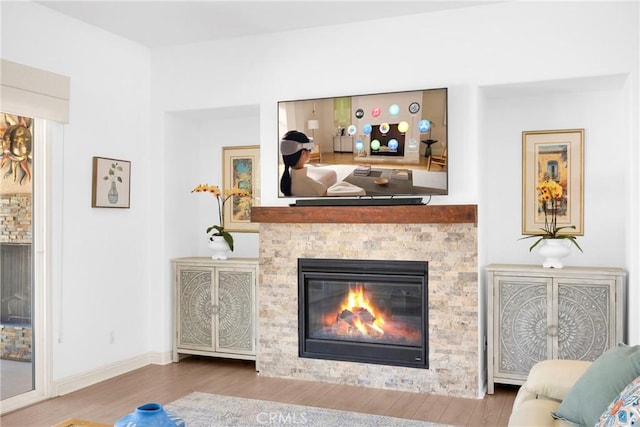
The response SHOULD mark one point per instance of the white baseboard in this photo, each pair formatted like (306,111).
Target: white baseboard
(160,358)
(76,382)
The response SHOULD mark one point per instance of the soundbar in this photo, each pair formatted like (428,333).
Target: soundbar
(395,201)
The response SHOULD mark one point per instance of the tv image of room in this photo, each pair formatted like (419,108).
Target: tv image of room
(383,144)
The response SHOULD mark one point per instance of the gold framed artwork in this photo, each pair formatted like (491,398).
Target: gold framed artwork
(16,159)
(241,169)
(111,183)
(553,155)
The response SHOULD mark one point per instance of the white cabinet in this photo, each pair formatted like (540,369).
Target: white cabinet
(215,307)
(343,144)
(537,313)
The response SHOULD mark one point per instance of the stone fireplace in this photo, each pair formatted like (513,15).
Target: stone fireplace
(443,236)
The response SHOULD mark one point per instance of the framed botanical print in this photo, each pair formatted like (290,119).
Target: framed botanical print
(241,169)
(111,183)
(555,155)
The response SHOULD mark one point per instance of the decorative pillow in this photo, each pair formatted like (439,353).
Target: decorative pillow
(554,378)
(624,410)
(599,385)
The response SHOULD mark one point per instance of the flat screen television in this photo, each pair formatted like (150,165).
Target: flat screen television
(373,145)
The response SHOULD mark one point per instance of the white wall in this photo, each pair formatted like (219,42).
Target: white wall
(166,131)
(101,284)
(196,158)
(509,67)
(598,106)
(504,74)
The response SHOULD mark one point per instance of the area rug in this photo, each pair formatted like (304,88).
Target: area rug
(207,410)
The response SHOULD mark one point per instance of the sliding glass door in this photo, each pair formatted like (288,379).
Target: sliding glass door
(25,258)
(35,105)
(16,255)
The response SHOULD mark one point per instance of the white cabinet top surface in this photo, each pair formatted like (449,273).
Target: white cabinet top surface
(217,262)
(554,272)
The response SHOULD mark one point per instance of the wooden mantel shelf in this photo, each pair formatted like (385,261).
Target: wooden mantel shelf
(412,214)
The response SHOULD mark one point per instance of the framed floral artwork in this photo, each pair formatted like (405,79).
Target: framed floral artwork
(111,183)
(553,155)
(241,169)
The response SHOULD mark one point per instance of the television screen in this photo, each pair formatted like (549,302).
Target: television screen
(378,145)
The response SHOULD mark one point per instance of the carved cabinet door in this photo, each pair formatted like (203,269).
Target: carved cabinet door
(234,310)
(194,308)
(523,316)
(584,313)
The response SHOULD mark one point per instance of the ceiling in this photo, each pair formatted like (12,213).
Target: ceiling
(165,23)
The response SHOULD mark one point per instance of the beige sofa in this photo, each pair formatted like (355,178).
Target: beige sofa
(603,392)
(547,384)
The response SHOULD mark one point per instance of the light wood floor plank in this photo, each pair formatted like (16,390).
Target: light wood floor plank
(307,392)
(109,400)
(459,412)
(432,408)
(407,405)
(351,398)
(491,411)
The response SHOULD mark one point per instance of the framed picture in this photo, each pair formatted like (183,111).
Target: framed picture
(241,169)
(553,155)
(111,183)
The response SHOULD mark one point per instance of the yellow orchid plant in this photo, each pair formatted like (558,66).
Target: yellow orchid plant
(218,230)
(549,197)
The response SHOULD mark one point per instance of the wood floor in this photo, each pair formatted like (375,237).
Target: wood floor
(109,400)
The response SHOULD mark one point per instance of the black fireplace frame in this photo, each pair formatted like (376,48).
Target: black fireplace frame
(362,270)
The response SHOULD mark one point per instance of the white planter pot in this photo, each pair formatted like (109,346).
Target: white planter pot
(553,250)
(219,247)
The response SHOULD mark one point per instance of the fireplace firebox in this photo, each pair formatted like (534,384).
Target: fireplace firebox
(371,311)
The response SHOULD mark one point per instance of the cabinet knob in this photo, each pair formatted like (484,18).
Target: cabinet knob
(215,309)
(552,330)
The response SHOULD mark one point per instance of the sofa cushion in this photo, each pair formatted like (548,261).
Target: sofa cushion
(554,378)
(624,410)
(523,395)
(599,385)
(534,413)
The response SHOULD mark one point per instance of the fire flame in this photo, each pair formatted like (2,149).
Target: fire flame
(357,300)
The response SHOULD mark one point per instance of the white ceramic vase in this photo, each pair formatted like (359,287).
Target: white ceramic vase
(219,247)
(553,250)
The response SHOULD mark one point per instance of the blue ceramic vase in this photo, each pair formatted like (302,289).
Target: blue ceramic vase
(150,415)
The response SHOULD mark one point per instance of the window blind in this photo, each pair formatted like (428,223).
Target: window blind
(32,92)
